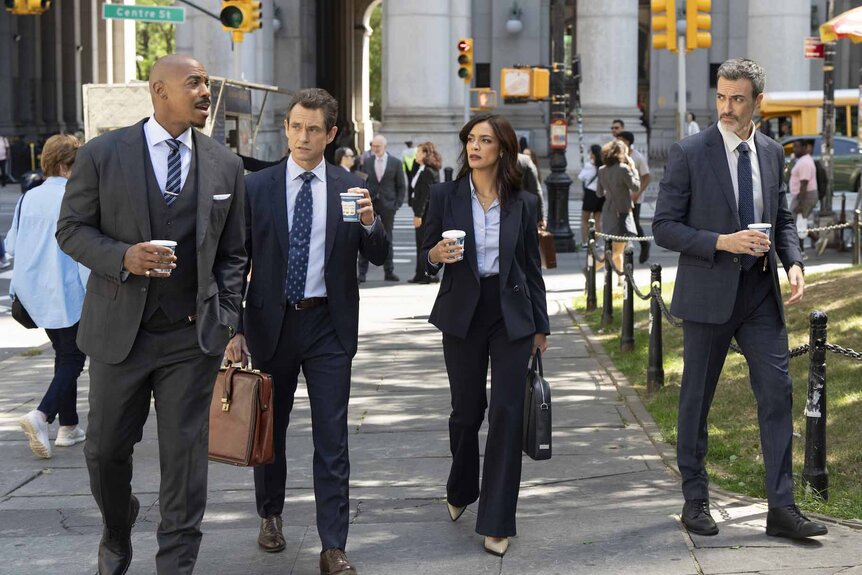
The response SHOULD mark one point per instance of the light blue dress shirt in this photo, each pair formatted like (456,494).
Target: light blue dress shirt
(159,150)
(50,284)
(486,233)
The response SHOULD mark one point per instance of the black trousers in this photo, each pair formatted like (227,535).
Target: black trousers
(308,341)
(420,237)
(637,215)
(757,325)
(62,395)
(387,218)
(467,366)
(169,367)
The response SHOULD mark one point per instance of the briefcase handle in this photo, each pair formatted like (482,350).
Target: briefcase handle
(229,363)
(537,361)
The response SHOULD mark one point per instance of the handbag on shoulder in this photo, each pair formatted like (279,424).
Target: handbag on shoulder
(241,417)
(537,412)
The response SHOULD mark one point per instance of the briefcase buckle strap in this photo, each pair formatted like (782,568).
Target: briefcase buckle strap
(225,403)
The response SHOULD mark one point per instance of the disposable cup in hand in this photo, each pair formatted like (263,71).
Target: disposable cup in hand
(765,228)
(458,236)
(171,245)
(350,207)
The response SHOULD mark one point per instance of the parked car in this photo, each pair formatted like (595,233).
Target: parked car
(847,155)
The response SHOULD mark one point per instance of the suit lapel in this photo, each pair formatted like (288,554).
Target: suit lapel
(462,215)
(132,161)
(767,179)
(718,163)
(334,187)
(206,168)
(277,191)
(510,223)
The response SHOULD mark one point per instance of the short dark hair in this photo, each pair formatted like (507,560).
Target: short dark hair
(618,121)
(341,152)
(317,99)
(743,69)
(628,137)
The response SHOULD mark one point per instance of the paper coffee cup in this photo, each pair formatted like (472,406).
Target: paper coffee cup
(458,236)
(765,228)
(170,244)
(349,206)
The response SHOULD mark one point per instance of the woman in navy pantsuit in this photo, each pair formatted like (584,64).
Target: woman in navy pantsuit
(491,304)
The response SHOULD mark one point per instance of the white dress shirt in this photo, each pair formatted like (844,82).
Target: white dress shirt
(731,141)
(315,286)
(159,150)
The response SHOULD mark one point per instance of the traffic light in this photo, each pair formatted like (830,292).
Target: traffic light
(664,24)
(465,59)
(239,17)
(697,24)
(27,7)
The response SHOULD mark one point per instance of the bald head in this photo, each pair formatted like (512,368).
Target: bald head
(179,88)
(378,145)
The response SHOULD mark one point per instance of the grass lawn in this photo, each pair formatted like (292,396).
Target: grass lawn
(734,461)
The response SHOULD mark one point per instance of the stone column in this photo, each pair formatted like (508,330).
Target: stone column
(776,30)
(423,98)
(607,36)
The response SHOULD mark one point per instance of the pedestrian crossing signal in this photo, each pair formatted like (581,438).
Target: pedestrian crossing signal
(27,7)
(465,59)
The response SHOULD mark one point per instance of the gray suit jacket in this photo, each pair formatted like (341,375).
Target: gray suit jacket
(387,193)
(696,204)
(105,211)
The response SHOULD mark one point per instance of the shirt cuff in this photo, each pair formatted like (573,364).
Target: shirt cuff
(435,266)
(370,229)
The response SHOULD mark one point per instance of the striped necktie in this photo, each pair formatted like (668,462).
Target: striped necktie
(299,240)
(172,184)
(745,182)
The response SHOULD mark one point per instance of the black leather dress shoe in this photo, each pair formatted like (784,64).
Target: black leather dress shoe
(115,549)
(391,277)
(696,517)
(790,522)
(271,538)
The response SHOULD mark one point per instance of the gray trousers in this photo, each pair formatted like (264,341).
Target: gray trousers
(169,367)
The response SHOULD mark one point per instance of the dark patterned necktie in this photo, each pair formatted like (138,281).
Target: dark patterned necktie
(300,238)
(746,196)
(172,184)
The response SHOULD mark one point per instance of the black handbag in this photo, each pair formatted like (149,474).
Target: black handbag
(537,412)
(19,313)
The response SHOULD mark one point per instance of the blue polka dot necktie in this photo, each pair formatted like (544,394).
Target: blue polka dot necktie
(746,196)
(172,185)
(300,238)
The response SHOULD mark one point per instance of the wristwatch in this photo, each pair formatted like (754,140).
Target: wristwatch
(231,331)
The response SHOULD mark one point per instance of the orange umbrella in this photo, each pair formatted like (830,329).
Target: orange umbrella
(846,25)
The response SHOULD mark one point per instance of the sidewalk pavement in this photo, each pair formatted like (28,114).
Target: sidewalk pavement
(606,503)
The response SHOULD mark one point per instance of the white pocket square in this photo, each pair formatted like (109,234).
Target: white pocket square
(220,197)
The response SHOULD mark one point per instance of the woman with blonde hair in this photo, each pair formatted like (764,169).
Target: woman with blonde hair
(618,181)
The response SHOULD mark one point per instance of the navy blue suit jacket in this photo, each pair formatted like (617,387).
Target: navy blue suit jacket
(267,246)
(696,204)
(522,289)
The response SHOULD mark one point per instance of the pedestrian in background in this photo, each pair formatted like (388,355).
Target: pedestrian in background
(618,184)
(803,188)
(4,157)
(51,286)
(591,208)
(642,167)
(691,126)
(491,305)
(427,174)
(530,183)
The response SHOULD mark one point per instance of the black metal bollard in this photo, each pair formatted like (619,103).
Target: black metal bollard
(655,365)
(855,239)
(842,219)
(627,336)
(591,267)
(608,299)
(814,472)
(447,173)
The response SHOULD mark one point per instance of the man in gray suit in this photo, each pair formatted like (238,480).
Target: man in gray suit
(387,188)
(715,184)
(155,323)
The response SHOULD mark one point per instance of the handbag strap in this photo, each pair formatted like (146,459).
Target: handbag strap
(537,363)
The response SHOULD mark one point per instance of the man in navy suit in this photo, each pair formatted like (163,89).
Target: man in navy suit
(302,312)
(715,184)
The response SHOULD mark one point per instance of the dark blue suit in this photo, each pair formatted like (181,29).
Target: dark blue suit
(321,341)
(492,317)
(718,300)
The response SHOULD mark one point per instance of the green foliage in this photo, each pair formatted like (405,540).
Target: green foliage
(375,62)
(152,40)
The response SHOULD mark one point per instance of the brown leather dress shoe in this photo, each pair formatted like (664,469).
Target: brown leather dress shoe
(334,562)
(270,537)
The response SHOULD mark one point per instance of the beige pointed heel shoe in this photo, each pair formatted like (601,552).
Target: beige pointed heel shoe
(455,512)
(497,545)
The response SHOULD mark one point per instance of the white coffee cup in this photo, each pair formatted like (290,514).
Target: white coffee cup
(458,236)
(350,207)
(765,228)
(170,244)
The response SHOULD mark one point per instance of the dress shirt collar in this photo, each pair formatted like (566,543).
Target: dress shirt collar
(294,170)
(382,158)
(476,196)
(731,140)
(156,134)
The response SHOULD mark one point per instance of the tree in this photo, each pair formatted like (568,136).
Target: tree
(375,62)
(152,40)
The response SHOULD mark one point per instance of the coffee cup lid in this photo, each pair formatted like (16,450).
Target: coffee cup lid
(759,226)
(451,234)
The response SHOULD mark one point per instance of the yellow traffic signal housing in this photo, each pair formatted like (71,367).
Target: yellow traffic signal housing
(664,24)
(239,17)
(27,7)
(253,13)
(465,59)
(521,84)
(698,23)
(540,84)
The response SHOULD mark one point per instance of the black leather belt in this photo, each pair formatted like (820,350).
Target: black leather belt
(309,303)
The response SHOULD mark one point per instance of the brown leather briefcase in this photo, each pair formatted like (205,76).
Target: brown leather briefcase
(241,417)
(547,249)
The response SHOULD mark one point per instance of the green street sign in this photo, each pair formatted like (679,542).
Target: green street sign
(168,14)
